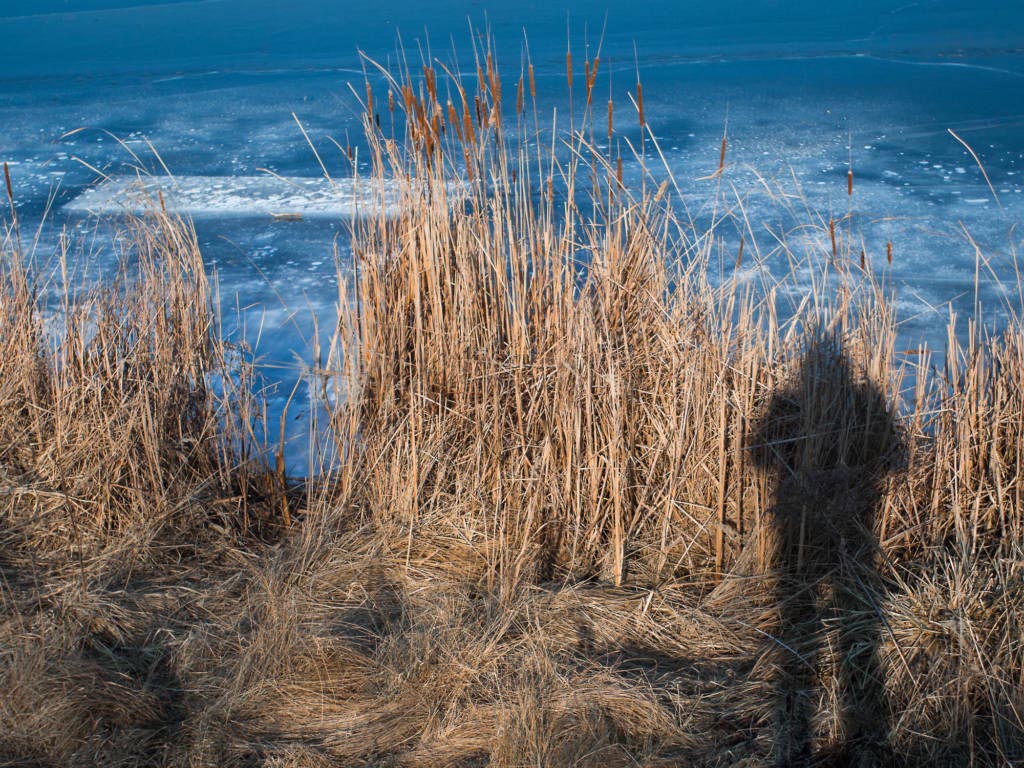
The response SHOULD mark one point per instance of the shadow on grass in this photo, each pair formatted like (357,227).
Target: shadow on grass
(828,439)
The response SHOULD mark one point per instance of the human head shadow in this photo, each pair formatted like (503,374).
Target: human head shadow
(827,439)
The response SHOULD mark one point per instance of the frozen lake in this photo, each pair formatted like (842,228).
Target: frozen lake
(807,91)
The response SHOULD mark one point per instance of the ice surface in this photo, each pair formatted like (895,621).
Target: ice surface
(805,90)
(225,196)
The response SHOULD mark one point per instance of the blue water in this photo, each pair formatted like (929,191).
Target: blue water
(805,88)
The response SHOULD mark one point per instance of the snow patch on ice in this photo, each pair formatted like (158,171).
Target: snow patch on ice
(277,196)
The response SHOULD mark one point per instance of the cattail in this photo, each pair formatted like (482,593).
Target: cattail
(391,101)
(832,234)
(495,81)
(609,119)
(568,67)
(431,78)
(551,188)
(428,145)
(739,257)
(618,170)
(421,115)
(453,118)
(7,180)
(469,165)
(593,72)
(863,261)
(519,97)
(640,103)
(481,84)
(888,251)
(348,151)
(849,182)
(721,155)
(533,85)
(369,101)
(159,196)
(467,123)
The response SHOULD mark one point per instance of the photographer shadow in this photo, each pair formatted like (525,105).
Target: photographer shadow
(827,439)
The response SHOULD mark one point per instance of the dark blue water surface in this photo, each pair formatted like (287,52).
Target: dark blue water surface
(806,88)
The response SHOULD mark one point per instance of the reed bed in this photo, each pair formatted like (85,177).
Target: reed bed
(597,500)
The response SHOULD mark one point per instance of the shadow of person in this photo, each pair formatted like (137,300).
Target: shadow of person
(828,439)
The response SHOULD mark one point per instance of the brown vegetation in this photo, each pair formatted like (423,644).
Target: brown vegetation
(590,506)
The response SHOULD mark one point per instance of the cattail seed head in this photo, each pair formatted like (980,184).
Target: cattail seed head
(453,119)
(7,181)
(467,124)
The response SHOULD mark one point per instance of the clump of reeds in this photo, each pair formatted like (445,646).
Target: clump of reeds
(121,405)
(129,469)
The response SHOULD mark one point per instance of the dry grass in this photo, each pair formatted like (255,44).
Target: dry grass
(592,507)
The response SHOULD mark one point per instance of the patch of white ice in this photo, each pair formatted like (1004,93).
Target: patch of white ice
(267,195)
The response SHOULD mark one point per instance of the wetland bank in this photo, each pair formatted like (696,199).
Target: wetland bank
(606,478)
